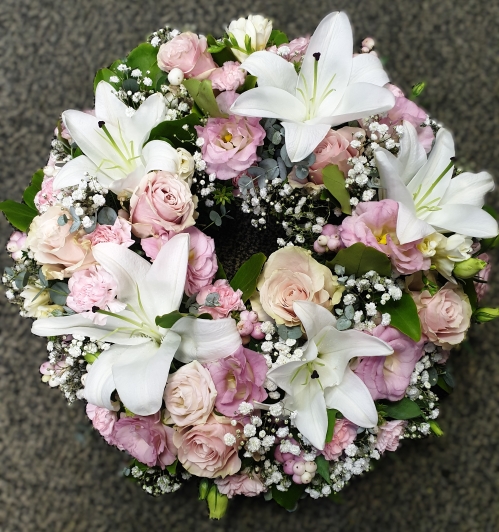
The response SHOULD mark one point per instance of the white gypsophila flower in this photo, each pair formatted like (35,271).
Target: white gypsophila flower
(229,439)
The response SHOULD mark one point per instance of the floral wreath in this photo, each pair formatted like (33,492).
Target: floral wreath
(300,370)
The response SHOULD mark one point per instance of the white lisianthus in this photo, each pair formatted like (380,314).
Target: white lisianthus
(446,252)
(185,166)
(256,28)
(37,303)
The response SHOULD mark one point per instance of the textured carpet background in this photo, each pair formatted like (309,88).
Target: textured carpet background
(56,474)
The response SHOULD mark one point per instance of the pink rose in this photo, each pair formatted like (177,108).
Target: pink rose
(230,144)
(61,252)
(238,377)
(91,288)
(345,433)
(445,316)
(146,439)
(291,274)
(16,245)
(103,420)
(388,377)
(374,224)
(229,77)
(389,435)
(190,395)
(405,109)
(162,202)
(118,233)
(187,51)
(249,486)
(202,265)
(223,298)
(480,288)
(202,449)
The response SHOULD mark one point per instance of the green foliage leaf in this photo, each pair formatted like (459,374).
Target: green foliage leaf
(104,74)
(358,259)
(249,83)
(173,131)
(441,382)
(403,409)
(168,320)
(220,272)
(202,94)
(469,290)
(334,181)
(288,499)
(277,38)
(172,468)
(33,189)
(219,51)
(435,428)
(145,57)
(323,468)
(331,421)
(18,214)
(404,316)
(247,275)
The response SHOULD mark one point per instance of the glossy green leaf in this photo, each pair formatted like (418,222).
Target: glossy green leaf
(323,468)
(249,83)
(441,382)
(104,74)
(247,275)
(403,409)
(358,259)
(202,94)
(222,53)
(277,38)
(334,181)
(144,57)
(33,189)
(172,468)
(404,316)
(173,131)
(168,320)
(288,499)
(331,421)
(18,214)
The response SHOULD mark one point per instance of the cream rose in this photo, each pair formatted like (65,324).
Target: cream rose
(190,395)
(289,275)
(202,449)
(60,252)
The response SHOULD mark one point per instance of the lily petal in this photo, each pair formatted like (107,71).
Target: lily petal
(367,68)
(140,374)
(353,400)
(74,171)
(287,375)
(272,71)
(150,113)
(395,188)
(313,317)
(409,226)
(468,188)
(465,219)
(412,155)
(159,155)
(206,340)
(302,139)
(311,414)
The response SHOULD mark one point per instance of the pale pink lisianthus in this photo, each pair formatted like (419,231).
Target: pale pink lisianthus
(405,109)
(389,435)
(202,449)
(238,377)
(482,288)
(118,233)
(146,438)
(16,245)
(388,377)
(187,52)
(103,420)
(249,486)
(344,434)
(91,288)
(190,395)
(228,299)
(162,202)
(230,144)
(374,224)
(445,316)
(229,77)
(60,252)
(225,100)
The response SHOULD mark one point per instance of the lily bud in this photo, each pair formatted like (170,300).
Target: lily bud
(484,314)
(468,268)
(204,488)
(418,89)
(217,503)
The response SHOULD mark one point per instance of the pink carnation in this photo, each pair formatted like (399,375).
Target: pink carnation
(187,51)
(480,288)
(146,439)
(230,144)
(238,377)
(103,420)
(118,233)
(389,435)
(374,224)
(388,377)
(345,433)
(229,77)
(240,485)
(224,301)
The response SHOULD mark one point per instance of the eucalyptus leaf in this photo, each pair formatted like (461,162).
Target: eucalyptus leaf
(403,409)
(301,172)
(62,220)
(349,312)
(334,181)
(292,333)
(247,275)
(342,324)
(215,218)
(107,216)
(404,316)
(43,279)
(359,259)
(22,279)
(59,293)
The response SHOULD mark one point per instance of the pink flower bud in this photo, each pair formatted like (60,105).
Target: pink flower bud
(257,333)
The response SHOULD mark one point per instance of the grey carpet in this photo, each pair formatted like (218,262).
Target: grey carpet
(56,474)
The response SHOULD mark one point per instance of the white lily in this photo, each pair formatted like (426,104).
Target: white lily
(429,198)
(137,366)
(112,142)
(332,88)
(323,379)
